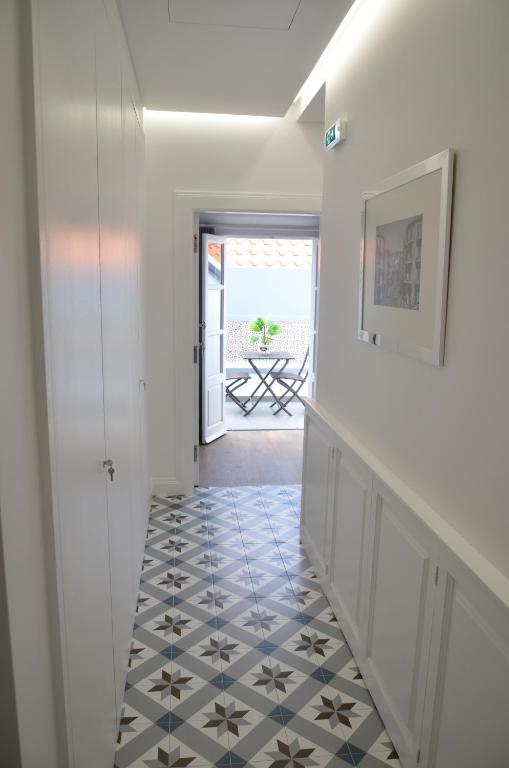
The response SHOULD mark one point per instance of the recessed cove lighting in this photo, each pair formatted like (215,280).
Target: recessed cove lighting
(213,117)
(362,15)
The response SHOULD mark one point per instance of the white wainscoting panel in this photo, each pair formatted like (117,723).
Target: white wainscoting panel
(468,701)
(401,593)
(316,494)
(426,616)
(349,539)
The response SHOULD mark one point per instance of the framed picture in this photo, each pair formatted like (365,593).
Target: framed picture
(404,261)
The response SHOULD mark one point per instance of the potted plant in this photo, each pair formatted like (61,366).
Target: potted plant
(264,331)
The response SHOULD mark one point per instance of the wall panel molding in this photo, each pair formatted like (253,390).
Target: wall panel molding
(426,616)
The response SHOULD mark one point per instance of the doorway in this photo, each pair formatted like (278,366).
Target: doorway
(258,308)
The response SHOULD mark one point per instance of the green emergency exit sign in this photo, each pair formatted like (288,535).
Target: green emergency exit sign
(335,134)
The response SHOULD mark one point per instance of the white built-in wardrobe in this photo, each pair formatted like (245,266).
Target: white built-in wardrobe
(89,146)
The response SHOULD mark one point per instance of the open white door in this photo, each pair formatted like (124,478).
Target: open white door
(313,327)
(212,338)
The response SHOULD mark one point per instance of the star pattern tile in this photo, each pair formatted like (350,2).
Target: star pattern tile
(237,659)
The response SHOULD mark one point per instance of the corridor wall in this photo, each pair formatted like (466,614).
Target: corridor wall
(405,494)
(418,78)
(27,725)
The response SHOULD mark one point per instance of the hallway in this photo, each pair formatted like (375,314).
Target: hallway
(194,194)
(237,658)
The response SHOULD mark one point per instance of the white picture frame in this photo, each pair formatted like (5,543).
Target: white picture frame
(404,260)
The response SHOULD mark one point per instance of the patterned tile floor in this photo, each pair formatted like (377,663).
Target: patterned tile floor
(237,659)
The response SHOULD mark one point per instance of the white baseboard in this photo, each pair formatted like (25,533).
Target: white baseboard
(166,486)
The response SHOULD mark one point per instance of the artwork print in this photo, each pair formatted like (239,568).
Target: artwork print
(397,276)
(404,260)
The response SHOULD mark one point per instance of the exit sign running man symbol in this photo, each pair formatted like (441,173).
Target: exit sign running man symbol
(335,134)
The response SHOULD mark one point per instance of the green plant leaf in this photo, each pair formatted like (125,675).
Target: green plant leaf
(265,330)
(258,324)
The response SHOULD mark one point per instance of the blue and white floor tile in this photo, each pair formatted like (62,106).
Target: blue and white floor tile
(237,659)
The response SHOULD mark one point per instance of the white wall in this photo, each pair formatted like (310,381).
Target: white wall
(206,154)
(23,607)
(423,77)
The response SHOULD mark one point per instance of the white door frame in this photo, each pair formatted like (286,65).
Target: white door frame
(188,205)
(315,307)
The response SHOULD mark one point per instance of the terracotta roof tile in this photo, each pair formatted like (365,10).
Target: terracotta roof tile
(260,252)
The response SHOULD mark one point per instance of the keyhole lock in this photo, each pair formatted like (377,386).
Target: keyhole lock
(108,464)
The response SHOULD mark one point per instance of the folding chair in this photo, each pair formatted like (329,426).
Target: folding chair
(292,383)
(234,380)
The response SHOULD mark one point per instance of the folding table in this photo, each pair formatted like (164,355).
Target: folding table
(265,384)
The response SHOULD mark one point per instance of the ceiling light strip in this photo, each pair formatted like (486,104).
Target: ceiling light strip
(361,16)
(200,117)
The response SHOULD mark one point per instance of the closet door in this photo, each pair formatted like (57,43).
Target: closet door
(71,295)
(141,456)
(119,366)
(133,145)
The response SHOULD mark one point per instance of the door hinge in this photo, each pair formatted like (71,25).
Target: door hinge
(195,453)
(436,574)
(195,354)
(418,757)
(195,243)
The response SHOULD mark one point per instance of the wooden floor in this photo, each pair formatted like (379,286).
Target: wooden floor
(252,458)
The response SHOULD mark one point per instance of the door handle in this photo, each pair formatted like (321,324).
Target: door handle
(108,464)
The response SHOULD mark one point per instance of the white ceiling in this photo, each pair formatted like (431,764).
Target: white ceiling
(232,56)
(263,14)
